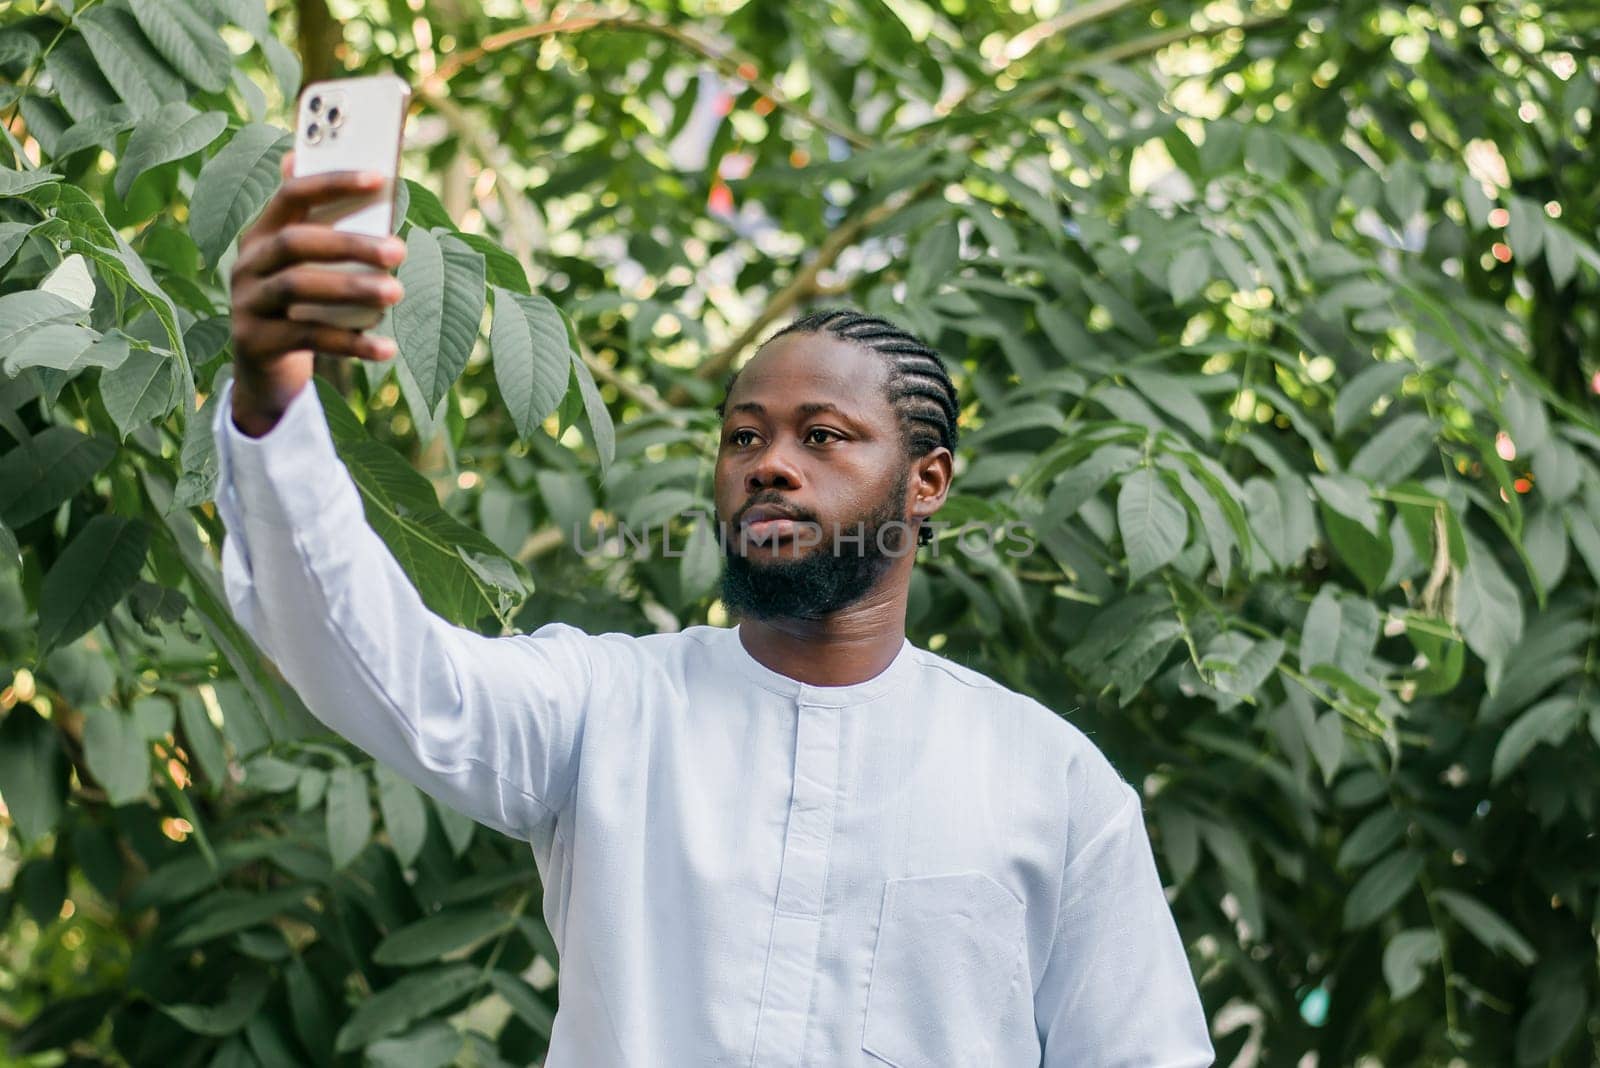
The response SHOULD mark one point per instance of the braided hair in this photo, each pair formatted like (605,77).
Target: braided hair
(918,386)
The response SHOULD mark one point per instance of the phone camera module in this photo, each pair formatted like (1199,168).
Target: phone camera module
(335,116)
(315,103)
(314,133)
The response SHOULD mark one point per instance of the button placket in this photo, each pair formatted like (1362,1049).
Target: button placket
(797,919)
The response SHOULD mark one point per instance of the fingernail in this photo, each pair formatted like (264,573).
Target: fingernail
(394,249)
(384,347)
(392,290)
(372,178)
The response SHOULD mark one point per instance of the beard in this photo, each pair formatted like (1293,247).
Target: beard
(830,576)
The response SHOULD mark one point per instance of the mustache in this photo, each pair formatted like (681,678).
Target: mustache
(777,501)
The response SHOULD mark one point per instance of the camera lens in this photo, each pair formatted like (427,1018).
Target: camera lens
(335,116)
(315,103)
(314,133)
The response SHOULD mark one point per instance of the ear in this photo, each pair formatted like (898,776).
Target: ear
(929,483)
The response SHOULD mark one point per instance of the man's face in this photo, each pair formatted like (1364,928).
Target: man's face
(811,479)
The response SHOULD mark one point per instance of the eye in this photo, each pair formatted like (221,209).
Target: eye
(821,430)
(737,437)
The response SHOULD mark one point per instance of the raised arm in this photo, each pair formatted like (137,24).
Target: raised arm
(489,726)
(1117,990)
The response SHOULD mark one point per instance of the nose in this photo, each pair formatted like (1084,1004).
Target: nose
(772,468)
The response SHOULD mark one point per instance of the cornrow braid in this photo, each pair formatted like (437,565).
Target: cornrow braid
(918,386)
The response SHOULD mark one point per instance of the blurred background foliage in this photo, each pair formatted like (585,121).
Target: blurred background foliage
(1277,324)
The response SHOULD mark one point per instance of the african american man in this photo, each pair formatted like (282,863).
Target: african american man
(801,840)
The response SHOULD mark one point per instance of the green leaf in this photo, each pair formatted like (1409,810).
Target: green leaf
(58,346)
(93,573)
(1177,396)
(1395,451)
(500,267)
(187,41)
(403,509)
(1368,555)
(202,740)
(233,186)
(403,1004)
(141,389)
(225,912)
(528,339)
(175,131)
(311,1010)
(1488,609)
(1584,529)
(36,477)
(934,258)
(429,939)
(29,310)
(1549,721)
(405,816)
(702,559)
(12,234)
(1374,836)
(1381,888)
(63,1022)
(432,1045)
(349,815)
(1526,420)
(601,431)
(1525,233)
(458,829)
(524,1002)
(1188,273)
(117,754)
(15,183)
(1560,254)
(1154,525)
(128,60)
(245,995)
(1405,957)
(1487,926)
(424,210)
(1350,497)
(99,130)
(1252,669)
(436,324)
(1550,1024)
(1556,470)
(33,772)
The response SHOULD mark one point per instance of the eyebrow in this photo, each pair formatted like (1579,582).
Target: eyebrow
(809,408)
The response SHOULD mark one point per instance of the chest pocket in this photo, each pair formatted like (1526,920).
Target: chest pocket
(948,952)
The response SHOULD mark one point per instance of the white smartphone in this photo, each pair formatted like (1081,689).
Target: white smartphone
(348,124)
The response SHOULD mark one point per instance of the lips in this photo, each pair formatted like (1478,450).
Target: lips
(765,512)
(766,523)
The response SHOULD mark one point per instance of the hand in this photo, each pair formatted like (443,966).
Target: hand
(281,262)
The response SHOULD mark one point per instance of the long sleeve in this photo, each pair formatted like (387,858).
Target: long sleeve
(490,726)
(1117,990)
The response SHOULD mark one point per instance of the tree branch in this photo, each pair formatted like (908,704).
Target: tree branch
(1035,35)
(803,285)
(728,61)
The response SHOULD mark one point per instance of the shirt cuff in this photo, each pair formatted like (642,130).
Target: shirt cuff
(291,476)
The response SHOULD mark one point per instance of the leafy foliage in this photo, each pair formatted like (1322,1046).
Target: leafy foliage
(1277,335)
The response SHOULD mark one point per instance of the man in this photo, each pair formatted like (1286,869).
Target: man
(800,841)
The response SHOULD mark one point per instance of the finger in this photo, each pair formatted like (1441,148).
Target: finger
(286,166)
(298,195)
(313,243)
(280,336)
(321,285)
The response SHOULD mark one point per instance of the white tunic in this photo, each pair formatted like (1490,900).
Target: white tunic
(925,870)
